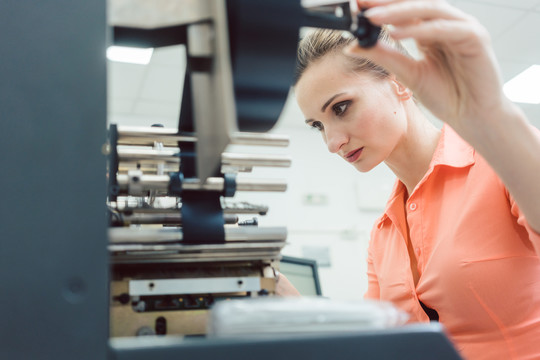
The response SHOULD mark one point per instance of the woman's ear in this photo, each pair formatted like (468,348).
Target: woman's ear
(403,92)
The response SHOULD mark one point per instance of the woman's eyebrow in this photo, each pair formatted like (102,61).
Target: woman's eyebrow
(329,101)
(308,121)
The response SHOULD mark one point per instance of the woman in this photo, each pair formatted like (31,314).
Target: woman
(460,237)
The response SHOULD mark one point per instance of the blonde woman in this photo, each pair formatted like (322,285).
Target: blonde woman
(460,237)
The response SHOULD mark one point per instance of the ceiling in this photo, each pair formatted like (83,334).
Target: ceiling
(148,94)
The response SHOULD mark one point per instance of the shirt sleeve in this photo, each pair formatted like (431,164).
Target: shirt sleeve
(534,236)
(373,282)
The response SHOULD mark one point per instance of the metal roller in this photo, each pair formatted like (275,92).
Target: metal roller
(152,168)
(171,155)
(146,136)
(259,139)
(162,235)
(232,159)
(161,182)
(146,167)
(176,253)
(132,154)
(165,218)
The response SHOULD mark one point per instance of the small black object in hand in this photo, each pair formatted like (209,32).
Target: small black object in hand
(366,33)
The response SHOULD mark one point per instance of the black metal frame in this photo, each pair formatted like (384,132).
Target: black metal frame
(53,244)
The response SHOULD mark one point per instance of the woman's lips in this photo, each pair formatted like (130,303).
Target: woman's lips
(354,155)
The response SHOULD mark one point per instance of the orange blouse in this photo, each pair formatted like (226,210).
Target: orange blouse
(476,256)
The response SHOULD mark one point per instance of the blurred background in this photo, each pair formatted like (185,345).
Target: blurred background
(329,208)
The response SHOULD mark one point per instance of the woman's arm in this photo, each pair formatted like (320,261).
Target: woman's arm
(458,80)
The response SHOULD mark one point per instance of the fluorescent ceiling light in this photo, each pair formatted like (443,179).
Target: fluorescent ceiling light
(129,54)
(525,87)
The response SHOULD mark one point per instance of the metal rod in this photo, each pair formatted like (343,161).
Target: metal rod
(146,167)
(255,160)
(165,218)
(333,15)
(161,182)
(146,136)
(232,234)
(171,155)
(262,139)
(149,167)
(136,154)
(139,135)
(169,259)
(244,208)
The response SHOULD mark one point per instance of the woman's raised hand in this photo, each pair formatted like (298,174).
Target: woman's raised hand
(457,78)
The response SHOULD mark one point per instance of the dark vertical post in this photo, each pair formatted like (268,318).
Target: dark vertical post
(53,257)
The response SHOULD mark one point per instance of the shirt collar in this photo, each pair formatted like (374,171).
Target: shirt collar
(451,151)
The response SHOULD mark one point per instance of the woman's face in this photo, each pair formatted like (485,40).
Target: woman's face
(361,118)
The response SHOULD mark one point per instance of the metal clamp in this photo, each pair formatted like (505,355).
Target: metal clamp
(229,185)
(135,186)
(175,183)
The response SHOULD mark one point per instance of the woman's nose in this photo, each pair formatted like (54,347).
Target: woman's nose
(335,139)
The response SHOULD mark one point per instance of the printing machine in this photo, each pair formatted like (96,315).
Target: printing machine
(171,263)
(112,234)
(169,266)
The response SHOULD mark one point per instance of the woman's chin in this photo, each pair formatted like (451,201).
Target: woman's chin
(363,166)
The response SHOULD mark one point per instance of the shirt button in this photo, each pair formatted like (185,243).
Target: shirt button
(412,206)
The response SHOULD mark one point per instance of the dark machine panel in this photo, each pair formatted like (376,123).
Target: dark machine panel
(53,258)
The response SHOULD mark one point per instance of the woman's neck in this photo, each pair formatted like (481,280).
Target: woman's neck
(411,158)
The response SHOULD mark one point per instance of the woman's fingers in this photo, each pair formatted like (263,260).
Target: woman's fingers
(372,3)
(440,31)
(412,12)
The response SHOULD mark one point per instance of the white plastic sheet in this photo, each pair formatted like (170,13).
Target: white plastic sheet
(274,315)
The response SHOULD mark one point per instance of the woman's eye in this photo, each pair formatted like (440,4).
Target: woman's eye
(317,125)
(340,108)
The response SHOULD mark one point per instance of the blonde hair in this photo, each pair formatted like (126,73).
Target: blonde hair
(320,42)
